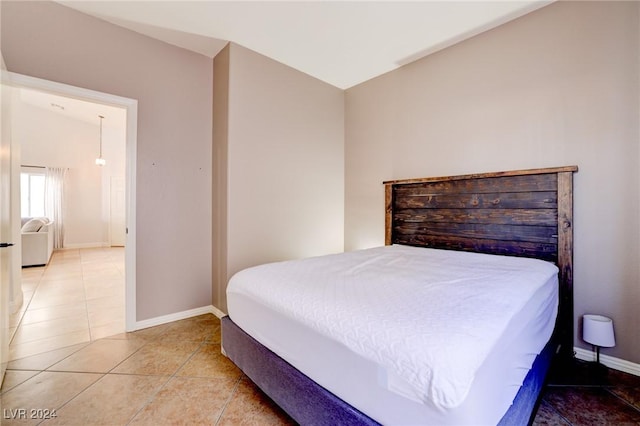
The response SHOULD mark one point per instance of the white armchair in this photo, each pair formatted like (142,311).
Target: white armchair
(37,241)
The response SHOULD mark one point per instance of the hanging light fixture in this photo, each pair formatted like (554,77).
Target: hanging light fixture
(100,161)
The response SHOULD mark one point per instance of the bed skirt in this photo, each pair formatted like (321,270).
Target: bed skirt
(310,404)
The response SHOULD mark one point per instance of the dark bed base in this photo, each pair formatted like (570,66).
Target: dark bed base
(310,404)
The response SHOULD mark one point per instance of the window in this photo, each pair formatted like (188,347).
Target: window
(32,194)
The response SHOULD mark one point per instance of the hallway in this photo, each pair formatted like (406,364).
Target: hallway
(78,297)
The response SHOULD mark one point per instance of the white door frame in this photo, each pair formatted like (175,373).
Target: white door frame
(131,106)
(6,232)
(120,237)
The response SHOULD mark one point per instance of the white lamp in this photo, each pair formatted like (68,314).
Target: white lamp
(598,331)
(100,161)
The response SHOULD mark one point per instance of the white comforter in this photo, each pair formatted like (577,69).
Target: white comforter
(430,317)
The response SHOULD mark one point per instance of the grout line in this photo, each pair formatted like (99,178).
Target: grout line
(3,391)
(42,353)
(126,358)
(229,398)
(555,410)
(84,292)
(624,400)
(171,377)
(33,293)
(151,398)
(79,393)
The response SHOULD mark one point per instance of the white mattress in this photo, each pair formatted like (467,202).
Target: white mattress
(406,335)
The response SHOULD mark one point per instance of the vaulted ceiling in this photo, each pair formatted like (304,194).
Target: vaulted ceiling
(343,43)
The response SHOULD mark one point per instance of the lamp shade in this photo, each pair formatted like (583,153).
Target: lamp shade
(598,330)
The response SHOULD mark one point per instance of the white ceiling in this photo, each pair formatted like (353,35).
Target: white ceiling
(343,43)
(75,109)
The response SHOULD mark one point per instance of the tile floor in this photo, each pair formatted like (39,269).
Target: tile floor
(165,375)
(90,372)
(78,297)
(582,395)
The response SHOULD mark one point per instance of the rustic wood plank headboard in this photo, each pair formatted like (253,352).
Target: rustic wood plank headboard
(518,213)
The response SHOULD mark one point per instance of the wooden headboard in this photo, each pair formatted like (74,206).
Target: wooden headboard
(518,213)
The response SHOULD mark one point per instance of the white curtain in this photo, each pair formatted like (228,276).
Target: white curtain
(54,200)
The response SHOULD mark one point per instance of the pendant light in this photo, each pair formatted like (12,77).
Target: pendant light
(100,161)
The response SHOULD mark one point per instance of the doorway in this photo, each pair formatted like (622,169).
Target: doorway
(129,187)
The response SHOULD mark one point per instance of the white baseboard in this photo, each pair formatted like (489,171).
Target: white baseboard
(609,361)
(73,246)
(152,322)
(217,312)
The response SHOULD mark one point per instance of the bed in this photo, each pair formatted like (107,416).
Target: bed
(458,250)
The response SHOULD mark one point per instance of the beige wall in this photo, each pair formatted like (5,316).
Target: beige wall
(221,77)
(556,87)
(173,88)
(285,163)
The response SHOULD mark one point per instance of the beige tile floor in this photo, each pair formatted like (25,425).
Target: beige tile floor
(78,297)
(165,375)
(72,363)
